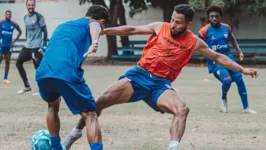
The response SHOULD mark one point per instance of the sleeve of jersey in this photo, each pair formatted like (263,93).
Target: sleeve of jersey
(202,33)
(42,21)
(17,26)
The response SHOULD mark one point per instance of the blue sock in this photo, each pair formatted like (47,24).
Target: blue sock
(56,145)
(242,91)
(5,75)
(96,146)
(225,88)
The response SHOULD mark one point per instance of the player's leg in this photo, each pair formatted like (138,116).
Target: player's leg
(37,57)
(131,87)
(1,55)
(223,75)
(80,101)
(93,130)
(49,93)
(117,93)
(237,77)
(53,124)
(170,102)
(7,57)
(24,55)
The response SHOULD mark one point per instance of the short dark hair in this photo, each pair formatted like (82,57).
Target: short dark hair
(8,11)
(30,0)
(98,12)
(186,10)
(214,8)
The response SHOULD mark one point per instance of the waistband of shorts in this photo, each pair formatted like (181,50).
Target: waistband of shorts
(147,73)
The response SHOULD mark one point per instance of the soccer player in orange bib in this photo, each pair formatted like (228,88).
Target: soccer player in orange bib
(167,51)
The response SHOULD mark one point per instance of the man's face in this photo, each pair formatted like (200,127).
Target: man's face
(178,24)
(215,18)
(31,6)
(8,15)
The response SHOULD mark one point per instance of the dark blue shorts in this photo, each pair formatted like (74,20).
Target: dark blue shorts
(78,97)
(6,50)
(147,87)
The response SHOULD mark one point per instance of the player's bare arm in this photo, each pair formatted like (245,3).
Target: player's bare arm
(224,60)
(18,36)
(95,30)
(152,28)
(236,46)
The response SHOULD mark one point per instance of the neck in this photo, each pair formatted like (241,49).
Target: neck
(8,20)
(217,26)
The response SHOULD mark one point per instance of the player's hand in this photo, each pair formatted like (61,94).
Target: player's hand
(13,42)
(92,49)
(241,56)
(250,71)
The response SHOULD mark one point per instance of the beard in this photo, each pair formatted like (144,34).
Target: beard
(177,34)
(30,10)
(8,19)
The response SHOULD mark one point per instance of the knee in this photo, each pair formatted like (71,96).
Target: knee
(89,116)
(19,63)
(181,111)
(227,81)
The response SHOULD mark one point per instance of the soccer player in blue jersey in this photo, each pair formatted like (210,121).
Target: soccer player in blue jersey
(60,73)
(217,35)
(7,27)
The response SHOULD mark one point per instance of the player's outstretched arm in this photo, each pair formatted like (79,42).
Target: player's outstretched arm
(95,30)
(126,30)
(223,60)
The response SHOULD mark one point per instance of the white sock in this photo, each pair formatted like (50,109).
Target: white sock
(174,145)
(76,131)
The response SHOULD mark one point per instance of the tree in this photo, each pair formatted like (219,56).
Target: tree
(232,8)
(117,14)
(137,6)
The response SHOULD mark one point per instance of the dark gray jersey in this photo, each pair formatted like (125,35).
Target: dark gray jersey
(33,26)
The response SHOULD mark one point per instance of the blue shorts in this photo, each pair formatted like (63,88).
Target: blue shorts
(78,97)
(223,73)
(6,50)
(146,86)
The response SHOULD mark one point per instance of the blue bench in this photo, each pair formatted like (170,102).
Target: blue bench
(250,47)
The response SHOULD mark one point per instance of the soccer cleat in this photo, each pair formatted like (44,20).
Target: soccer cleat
(71,138)
(224,108)
(249,111)
(6,81)
(25,89)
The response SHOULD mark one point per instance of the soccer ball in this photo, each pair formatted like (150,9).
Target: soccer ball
(41,140)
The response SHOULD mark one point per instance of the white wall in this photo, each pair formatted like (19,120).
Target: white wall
(59,12)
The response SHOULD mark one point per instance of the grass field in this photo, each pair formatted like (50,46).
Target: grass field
(137,127)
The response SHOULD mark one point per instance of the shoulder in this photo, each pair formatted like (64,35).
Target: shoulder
(15,23)
(38,15)
(226,26)
(203,30)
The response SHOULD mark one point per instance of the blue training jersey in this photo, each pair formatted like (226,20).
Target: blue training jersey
(64,55)
(7,28)
(217,40)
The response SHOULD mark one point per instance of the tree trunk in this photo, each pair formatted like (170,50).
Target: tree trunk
(111,40)
(168,8)
(114,9)
(122,21)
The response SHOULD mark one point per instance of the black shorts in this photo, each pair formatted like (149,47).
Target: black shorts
(27,54)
